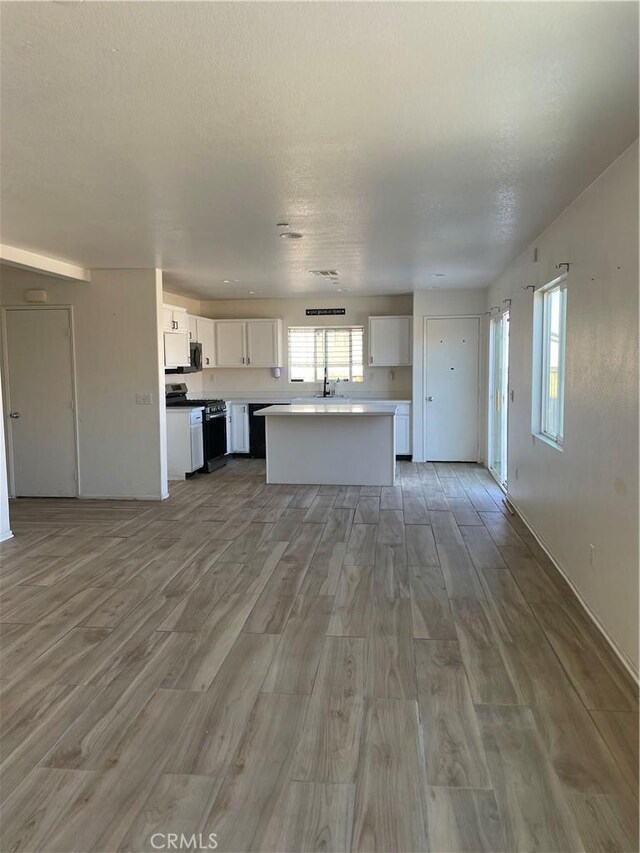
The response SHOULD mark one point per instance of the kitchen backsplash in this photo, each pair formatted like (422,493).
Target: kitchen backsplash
(224,383)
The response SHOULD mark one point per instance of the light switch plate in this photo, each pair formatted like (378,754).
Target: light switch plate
(144,399)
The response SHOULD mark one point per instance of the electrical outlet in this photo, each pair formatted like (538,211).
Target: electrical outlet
(592,555)
(144,399)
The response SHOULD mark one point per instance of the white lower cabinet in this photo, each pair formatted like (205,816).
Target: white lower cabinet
(403,430)
(185,450)
(403,435)
(237,428)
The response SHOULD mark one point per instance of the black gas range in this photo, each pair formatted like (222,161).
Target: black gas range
(214,423)
(176,395)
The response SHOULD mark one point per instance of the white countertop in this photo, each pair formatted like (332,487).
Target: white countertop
(312,400)
(324,409)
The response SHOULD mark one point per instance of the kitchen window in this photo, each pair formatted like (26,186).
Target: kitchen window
(339,350)
(551,309)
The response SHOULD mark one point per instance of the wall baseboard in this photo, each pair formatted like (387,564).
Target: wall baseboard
(4,537)
(121,497)
(626,662)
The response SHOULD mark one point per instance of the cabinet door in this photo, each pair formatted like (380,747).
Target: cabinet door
(240,428)
(229,430)
(176,349)
(262,343)
(196,446)
(167,318)
(207,338)
(192,323)
(180,319)
(389,341)
(230,343)
(403,435)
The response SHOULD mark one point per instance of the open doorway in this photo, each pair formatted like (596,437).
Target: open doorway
(499,397)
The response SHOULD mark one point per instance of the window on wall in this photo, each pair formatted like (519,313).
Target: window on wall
(552,307)
(339,349)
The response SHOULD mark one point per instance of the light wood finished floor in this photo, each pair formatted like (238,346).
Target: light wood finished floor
(305,669)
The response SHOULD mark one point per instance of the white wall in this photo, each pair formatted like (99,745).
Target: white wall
(443,303)
(589,492)
(117,338)
(229,383)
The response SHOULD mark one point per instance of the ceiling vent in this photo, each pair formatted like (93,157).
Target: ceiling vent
(325,273)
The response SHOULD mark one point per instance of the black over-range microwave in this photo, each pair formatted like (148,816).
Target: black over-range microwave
(195,358)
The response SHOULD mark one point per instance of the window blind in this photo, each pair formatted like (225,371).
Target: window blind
(340,349)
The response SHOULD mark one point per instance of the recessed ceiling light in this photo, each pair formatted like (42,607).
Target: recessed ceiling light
(226,281)
(342,290)
(255,291)
(437,275)
(291,235)
(282,225)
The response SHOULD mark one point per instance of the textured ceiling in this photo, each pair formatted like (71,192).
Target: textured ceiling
(401,139)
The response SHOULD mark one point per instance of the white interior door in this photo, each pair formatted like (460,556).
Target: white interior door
(451,389)
(40,416)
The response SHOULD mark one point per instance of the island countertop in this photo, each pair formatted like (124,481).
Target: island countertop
(328,409)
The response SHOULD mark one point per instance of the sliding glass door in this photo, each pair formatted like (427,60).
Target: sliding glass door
(499,397)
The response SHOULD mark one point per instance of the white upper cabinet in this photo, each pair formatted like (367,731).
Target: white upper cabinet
(390,341)
(167,318)
(174,319)
(175,326)
(180,318)
(230,343)
(202,331)
(206,336)
(264,343)
(176,349)
(192,323)
(248,343)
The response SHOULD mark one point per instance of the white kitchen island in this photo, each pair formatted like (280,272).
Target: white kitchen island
(331,444)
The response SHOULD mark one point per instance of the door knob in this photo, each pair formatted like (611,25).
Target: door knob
(14,415)
(430,399)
